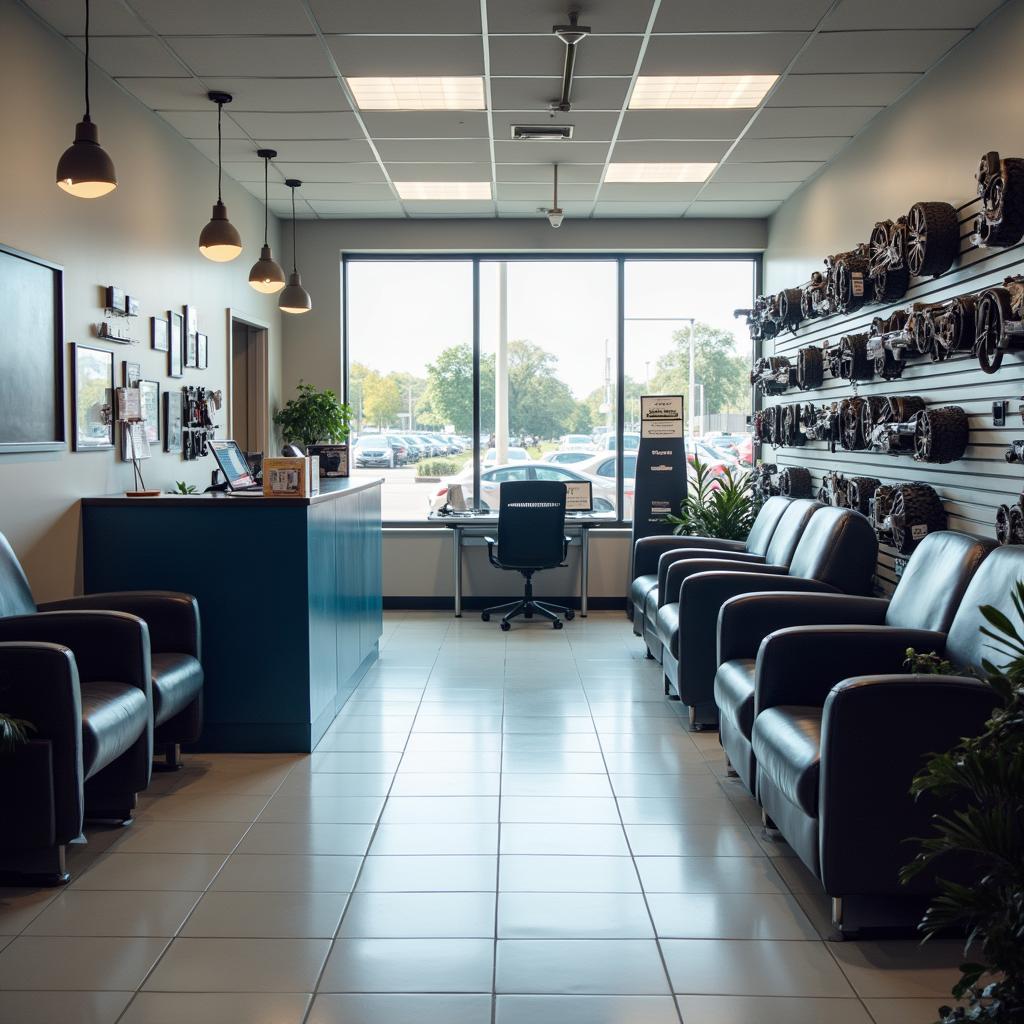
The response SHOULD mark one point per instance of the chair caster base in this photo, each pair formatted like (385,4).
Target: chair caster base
(485,616)
(506,626)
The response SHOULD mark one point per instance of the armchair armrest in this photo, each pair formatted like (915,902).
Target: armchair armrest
(801,664)
(686,554)
(39,682)
(679,572)
(108,646)
(648,550)
(877,733)
(172,618)
(746,620)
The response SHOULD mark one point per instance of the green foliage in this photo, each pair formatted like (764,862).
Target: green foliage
(722,371)
(315,417)
(928,664)
(448,398)
(438,467)
(985,776)
(14,733)
(727,510)
(180,487)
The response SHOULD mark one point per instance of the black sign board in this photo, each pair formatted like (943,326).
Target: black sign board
(661,470)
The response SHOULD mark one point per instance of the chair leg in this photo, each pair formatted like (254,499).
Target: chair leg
(172,759)
(46,867)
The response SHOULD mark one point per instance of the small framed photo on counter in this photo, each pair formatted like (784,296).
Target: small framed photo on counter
(92,398)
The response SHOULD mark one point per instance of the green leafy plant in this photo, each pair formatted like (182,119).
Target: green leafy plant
(930,664)
(180,487)
(315,417)
(722,507)
(438,467)
(14,732)
(984,774)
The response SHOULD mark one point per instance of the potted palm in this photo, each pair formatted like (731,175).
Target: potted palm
(722,506)
(13,733)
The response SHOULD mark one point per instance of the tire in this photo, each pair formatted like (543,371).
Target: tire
(955,328)
(994,308)
(916,511)
(890,278)
(891,285)
(942,435)
(1016,524)
(830,356)
(1003,524)
(853,358)
(861,489)
(788,304)
(871,410)
(795,482)
(933,238)
(1001,187)
(792,435)
(810,368)
(852,287)
(851,434)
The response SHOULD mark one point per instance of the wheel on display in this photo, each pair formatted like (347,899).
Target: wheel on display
(486,616)
(886,265)
(853,358)
(830,357)
(1001,187)
(851,435)
(954,330)
(851,285)
(1016,524)
(795,482)
(921,328)
(941,434)
(810,368)
(933,238)
(993,309)
(570,615)
(506,626)
(825,495)
(788,304)
(916,511)
(773,422)
(792,419)
(871,410)
(557,624)
(860,490)
(1003,524)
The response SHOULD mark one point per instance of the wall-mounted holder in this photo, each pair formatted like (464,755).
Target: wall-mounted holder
(198,427)
(131,417)
(106,331)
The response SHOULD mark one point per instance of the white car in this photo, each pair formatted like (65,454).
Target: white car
(564,458)
(512,455)
(577,443)
(492,479)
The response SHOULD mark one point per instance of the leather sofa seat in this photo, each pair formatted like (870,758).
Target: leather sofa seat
(668,628)
(114,717)
(787,745)
(177,681)
(734,693)
(641,587)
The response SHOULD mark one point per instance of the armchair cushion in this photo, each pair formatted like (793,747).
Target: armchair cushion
(641,587)
(114,716)
(787,745)
(177,681)
(734,693)
(668,627)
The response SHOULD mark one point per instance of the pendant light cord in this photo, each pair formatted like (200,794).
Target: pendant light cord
(266,199)
(295,255)
(220,162)
(87,117)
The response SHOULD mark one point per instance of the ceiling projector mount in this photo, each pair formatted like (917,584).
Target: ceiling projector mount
(555,214)
(572,35)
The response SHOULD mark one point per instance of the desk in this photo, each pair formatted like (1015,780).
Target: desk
(470,531)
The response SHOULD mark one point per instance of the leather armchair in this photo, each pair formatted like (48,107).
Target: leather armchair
(926,597)
(839,732)
(836,553)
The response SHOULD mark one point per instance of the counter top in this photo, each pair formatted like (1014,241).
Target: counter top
(330,488)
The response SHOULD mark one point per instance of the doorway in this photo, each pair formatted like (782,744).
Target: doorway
(248,398)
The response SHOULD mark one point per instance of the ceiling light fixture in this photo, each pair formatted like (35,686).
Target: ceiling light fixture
(220,240)
(572,35)
(419,93)
(294,298)
(556,214)
(658,173)
(699,92)
(266,275)
(84,169)
(455,190)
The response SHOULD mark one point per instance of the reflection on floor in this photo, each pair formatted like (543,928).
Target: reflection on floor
(509,827)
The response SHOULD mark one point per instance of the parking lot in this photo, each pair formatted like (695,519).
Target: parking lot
(402,497)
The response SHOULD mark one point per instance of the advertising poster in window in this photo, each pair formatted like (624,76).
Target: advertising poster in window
(660,464)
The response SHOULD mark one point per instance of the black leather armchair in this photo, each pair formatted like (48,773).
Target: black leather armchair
(835,554)
(649,553)
(926,597)
(839,732)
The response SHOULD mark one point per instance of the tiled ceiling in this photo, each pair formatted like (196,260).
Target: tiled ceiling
(839,62)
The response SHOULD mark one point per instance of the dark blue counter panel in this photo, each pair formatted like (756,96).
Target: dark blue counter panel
(289,595)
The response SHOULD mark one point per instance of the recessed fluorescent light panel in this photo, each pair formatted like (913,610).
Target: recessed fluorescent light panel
(653,173)
(418,93)
(700,92)
(444,189)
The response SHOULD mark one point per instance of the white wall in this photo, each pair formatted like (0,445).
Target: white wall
(142,238)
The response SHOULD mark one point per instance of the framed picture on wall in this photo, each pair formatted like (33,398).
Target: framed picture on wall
(150,393)
(202,351)
(92,398)
(172,420)
(131,374)
(192,351)
(175,354)
(191,320)
(158,333)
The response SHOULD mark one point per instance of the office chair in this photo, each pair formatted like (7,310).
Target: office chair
(531,537)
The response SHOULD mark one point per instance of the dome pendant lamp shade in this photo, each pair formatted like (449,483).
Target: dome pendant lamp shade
(294,298)
(85,170)
(220,240)
(266,275)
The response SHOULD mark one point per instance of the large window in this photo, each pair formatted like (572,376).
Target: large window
(483,370)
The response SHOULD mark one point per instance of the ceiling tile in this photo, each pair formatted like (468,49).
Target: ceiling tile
(68,18)
(201,124)
(536,93)
(529,152)
(730,15)
(426,124)
(407,55)
(729,54)
(587,126)
(577,173)
(236,151)
(131,55)
(754,150)
(336,192)
(300,126)
(884,14)
(693,152)
(541,15)
(544,55)
(782,171)
(661,192)
(168,93)
(736,208)
(353,210)
(439,17)
(541,192)
(810,122)
(250,173)
(446,208)
(252,56)
(329,172)
(284,210)
(439,172)
(640,209)
(298,150)
(684,124)
(439,151)
(913,50)
(285,94)
(222,18)
(526,209)
(750,190)
(838,90)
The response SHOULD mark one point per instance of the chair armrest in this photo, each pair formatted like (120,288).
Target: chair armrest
(108,646)
(746,620)
(172,618)
(679,572)
(39,683)
(801,664)
(877,733)
(648,550)
(685,554)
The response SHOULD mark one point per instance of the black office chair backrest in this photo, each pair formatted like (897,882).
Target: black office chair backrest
(531,524)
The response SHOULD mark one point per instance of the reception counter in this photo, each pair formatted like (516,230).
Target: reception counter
(289,593)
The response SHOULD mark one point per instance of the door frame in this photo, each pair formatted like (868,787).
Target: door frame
(262,343)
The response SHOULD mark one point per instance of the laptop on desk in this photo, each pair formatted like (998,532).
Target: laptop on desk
(235,467)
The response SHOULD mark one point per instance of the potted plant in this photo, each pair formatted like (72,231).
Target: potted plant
(722,507)
(314,417)
(13,733)
(984,776)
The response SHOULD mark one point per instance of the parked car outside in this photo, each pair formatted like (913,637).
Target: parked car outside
(374,450)
(416,448)
(512,455)
(400,448)
(563,458)
(577,443)
(630,442)
(745,451)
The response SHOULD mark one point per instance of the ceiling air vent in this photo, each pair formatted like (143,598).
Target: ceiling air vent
(547,132)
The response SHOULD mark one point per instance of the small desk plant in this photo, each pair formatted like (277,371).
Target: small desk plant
(314,417)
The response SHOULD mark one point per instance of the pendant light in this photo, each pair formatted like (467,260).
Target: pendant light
(220,240)
(556,214)
(294,298)
(266,275)
(85,170)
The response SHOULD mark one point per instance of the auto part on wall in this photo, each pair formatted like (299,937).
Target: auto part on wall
(999,322)
(849,286)
(814,298)
(887,266)
(904,514)
(773,375)
(792,426)
(795,482)
(947,327)
(847,492)
(933,238)
(787,307)
(810,368)
(942,434)
(851,433)
(1015,453)
(762,482)
(762,318)
(821,422)
(889,425)
(1010,522)
(853,360)
(888,342)
(1001,188)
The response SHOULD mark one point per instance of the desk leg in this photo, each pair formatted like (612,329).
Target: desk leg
(457,569)
(584,568)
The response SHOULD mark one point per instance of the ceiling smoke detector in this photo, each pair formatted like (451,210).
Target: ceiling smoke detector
(544,132)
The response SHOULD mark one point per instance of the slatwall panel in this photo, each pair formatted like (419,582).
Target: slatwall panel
(972,488)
